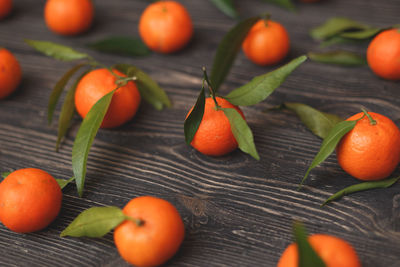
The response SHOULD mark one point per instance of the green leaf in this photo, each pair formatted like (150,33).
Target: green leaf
(360,35)
(63,183)
(228,49)
(5,174)
(329,144)
(193,121)
(58,89)
(151,92)
(84,139)
(287,4)
(227,7)
(343,58)
(319,123)
(57,51)
(121,45)
(242,132)
(67,112)
(337,39)
(95,222)
(307,255)
(362,187)
(334,26)
(260,87)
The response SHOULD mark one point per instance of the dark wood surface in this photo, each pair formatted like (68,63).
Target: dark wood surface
(237,211)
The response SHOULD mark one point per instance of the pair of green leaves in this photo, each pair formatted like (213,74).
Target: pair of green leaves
(61,182)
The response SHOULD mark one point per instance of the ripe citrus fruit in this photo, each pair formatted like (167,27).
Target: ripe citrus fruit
(69,17)
(30,199)
(10,73)
(383,54)
(157,239)
(5,8)
(335,252)
(267,43)
(214,136)
(165,26)
(98,83)
(370,152)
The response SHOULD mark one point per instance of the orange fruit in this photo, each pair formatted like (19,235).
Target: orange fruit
(335,252)
(383,54)
(5,8)
(370,152)
(69,17)
(98,83)
(267,43)
(157,239)
(10,73)
(30,199)
(165,26)
(214,136)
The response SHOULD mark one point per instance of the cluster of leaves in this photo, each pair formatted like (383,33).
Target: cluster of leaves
(257,90)
(148,88)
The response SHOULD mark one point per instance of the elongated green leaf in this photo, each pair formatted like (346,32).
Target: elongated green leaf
(343,58)
(193,121)
(337,39)
(84,139)
(95,222)
(334,26)
(260,87)
(228,49)
(5,174)
(149,89)
(329,144)
(227,7)
(307,255)
(362,187)
(58,89)
(121,45)
(287,4)
(363,34)
(57,51)
(63,183)
(317,122)
(67,112)
(242,132)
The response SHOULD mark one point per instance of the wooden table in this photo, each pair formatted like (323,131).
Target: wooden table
(237,211)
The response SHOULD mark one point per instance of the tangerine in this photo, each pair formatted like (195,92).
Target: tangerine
(10,73)
(30,199)
(165,26)
(5,8)
(156,239)
(95,85)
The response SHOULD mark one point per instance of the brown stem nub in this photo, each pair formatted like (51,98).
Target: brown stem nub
(371,120)
(137,221)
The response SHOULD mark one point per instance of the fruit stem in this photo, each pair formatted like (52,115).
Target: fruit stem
(371,120)
(138,222)
(212,93)
(266,18)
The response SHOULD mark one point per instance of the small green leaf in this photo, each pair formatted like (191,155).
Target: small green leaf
(63,183)
(329,144)
(319,123)
(343,58)
(334,26)
(307,255)
(228,49)
(121,45)
(360,35)
(95,222)
(227,7)
(5,174)
(287,4)
(148,88)
(57,51)
(362,187)
(193,121)
(242,132)
(85,136)
(337,39)
(260,87)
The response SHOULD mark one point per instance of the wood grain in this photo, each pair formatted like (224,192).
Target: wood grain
(237,211)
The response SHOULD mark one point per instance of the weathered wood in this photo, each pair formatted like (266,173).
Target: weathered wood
(237,211)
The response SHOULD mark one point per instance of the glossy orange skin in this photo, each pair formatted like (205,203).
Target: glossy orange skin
(98,83)
(370,152)
(214,136)
(154,242)
(335,252)
(267,43)
(383,54)
(10,73)
(5,8)
(165,26)
(69,17)
(30,199)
